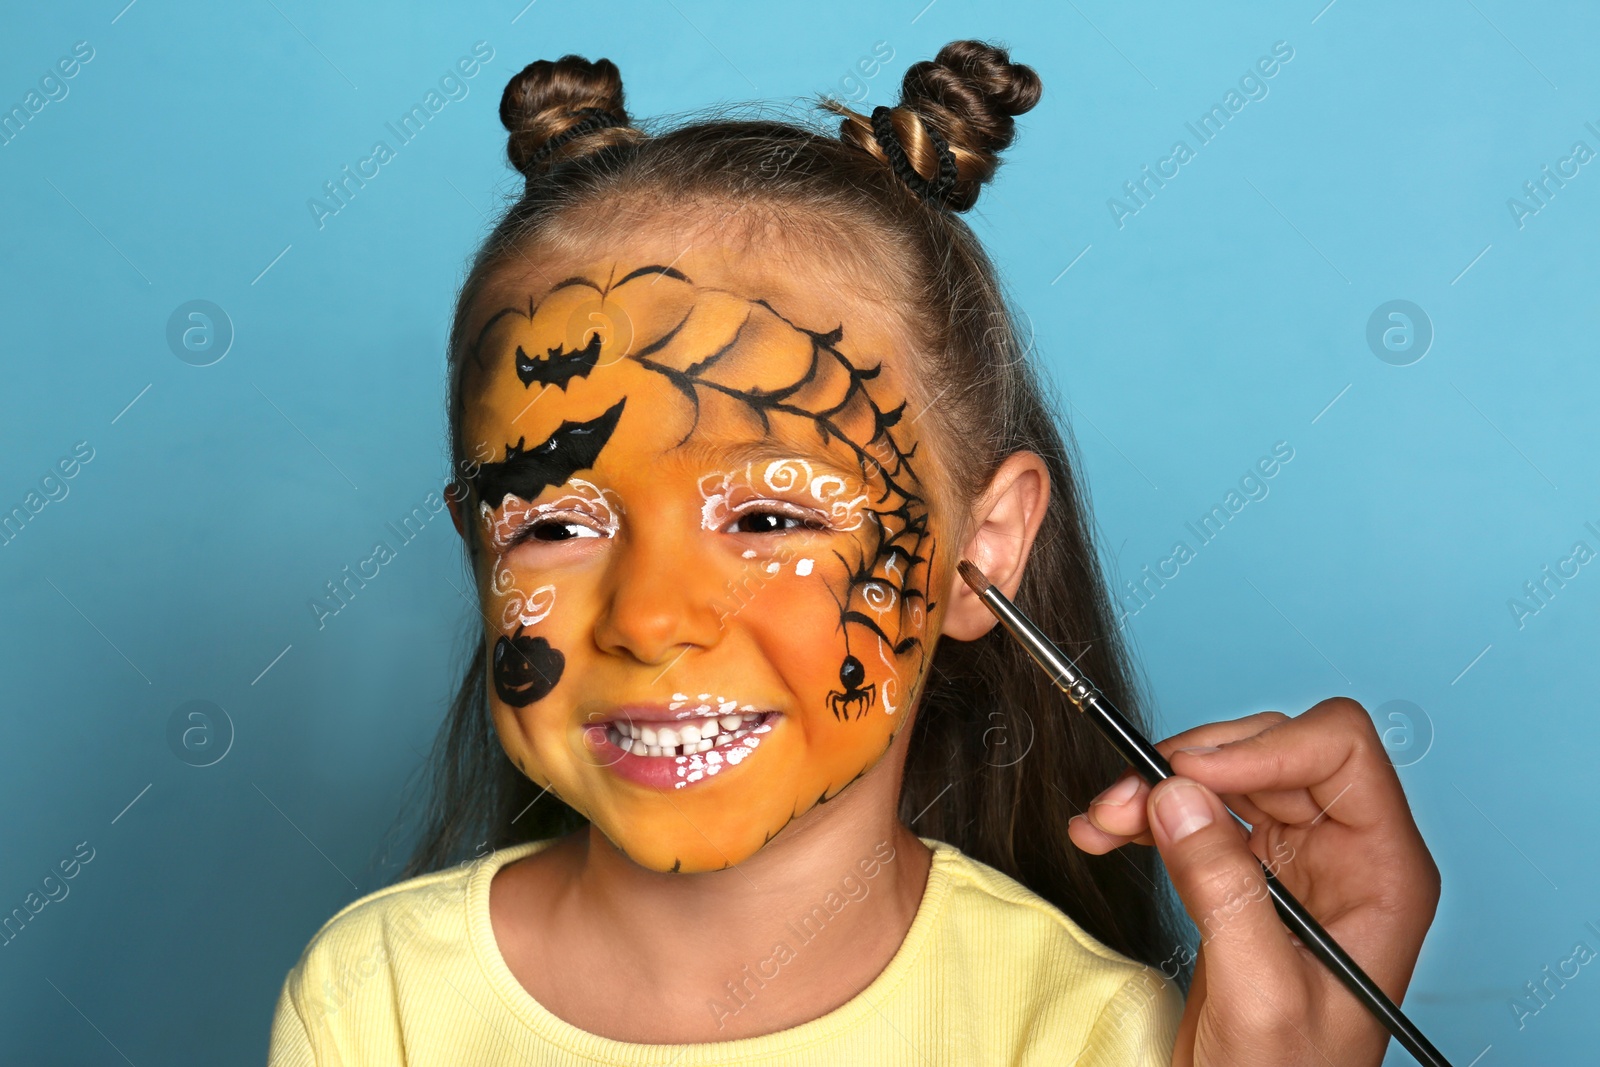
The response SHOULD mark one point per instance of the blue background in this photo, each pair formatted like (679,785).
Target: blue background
(1228,314)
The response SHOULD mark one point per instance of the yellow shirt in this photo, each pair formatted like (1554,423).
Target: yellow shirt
(989,973)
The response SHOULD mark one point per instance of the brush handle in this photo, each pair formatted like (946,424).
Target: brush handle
(1153,767)
(1311,934)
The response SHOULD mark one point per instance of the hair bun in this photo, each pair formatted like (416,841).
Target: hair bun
(966,95)
(552,109)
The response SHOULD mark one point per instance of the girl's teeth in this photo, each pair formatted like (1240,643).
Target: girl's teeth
(688,739)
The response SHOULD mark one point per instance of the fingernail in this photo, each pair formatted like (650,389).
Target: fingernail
(1182,809)
(1119,792)
(1199,750)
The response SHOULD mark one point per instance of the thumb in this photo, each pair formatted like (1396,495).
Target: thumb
(1250,957)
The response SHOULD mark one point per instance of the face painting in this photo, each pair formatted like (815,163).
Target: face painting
(706,549)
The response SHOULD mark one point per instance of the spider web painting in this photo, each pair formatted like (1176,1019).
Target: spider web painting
(884,602)
(780,375)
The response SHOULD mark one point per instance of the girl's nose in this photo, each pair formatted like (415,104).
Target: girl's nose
(661,595)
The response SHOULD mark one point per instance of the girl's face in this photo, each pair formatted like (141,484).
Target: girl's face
(708,541)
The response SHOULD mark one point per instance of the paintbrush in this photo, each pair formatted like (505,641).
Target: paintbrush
(1153,767)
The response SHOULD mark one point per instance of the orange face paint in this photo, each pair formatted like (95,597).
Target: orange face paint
(707,550)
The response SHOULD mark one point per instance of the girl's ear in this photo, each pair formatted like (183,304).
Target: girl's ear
(453,493)
(1005,519)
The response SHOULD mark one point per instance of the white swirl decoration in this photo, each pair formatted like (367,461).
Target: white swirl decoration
(496,526)
(793,475)
(501,580)
(529,609)
(716,484)
(784,475)
(714,492)
(607,505)
(879,597)
(847,514)
(601,506)
(819,486)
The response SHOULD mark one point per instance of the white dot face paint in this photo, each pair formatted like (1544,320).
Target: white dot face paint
(736,733)
(734,745)
(803,567)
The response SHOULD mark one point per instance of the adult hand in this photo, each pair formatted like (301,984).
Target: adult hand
(1329,818)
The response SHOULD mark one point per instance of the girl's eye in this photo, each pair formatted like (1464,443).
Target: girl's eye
(767,520)
(555,530)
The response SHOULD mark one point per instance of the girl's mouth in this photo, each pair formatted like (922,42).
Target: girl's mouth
(675,753)
(687,737)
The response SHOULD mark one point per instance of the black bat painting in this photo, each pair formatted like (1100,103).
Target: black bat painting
(525,473)
(561,366)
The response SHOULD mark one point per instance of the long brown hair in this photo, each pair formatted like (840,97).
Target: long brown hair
(998,760)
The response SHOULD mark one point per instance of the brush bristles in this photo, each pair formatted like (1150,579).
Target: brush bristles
(973,577)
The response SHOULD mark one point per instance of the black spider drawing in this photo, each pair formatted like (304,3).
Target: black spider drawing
(855,695)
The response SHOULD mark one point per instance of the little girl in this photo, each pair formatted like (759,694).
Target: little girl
(741,771)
